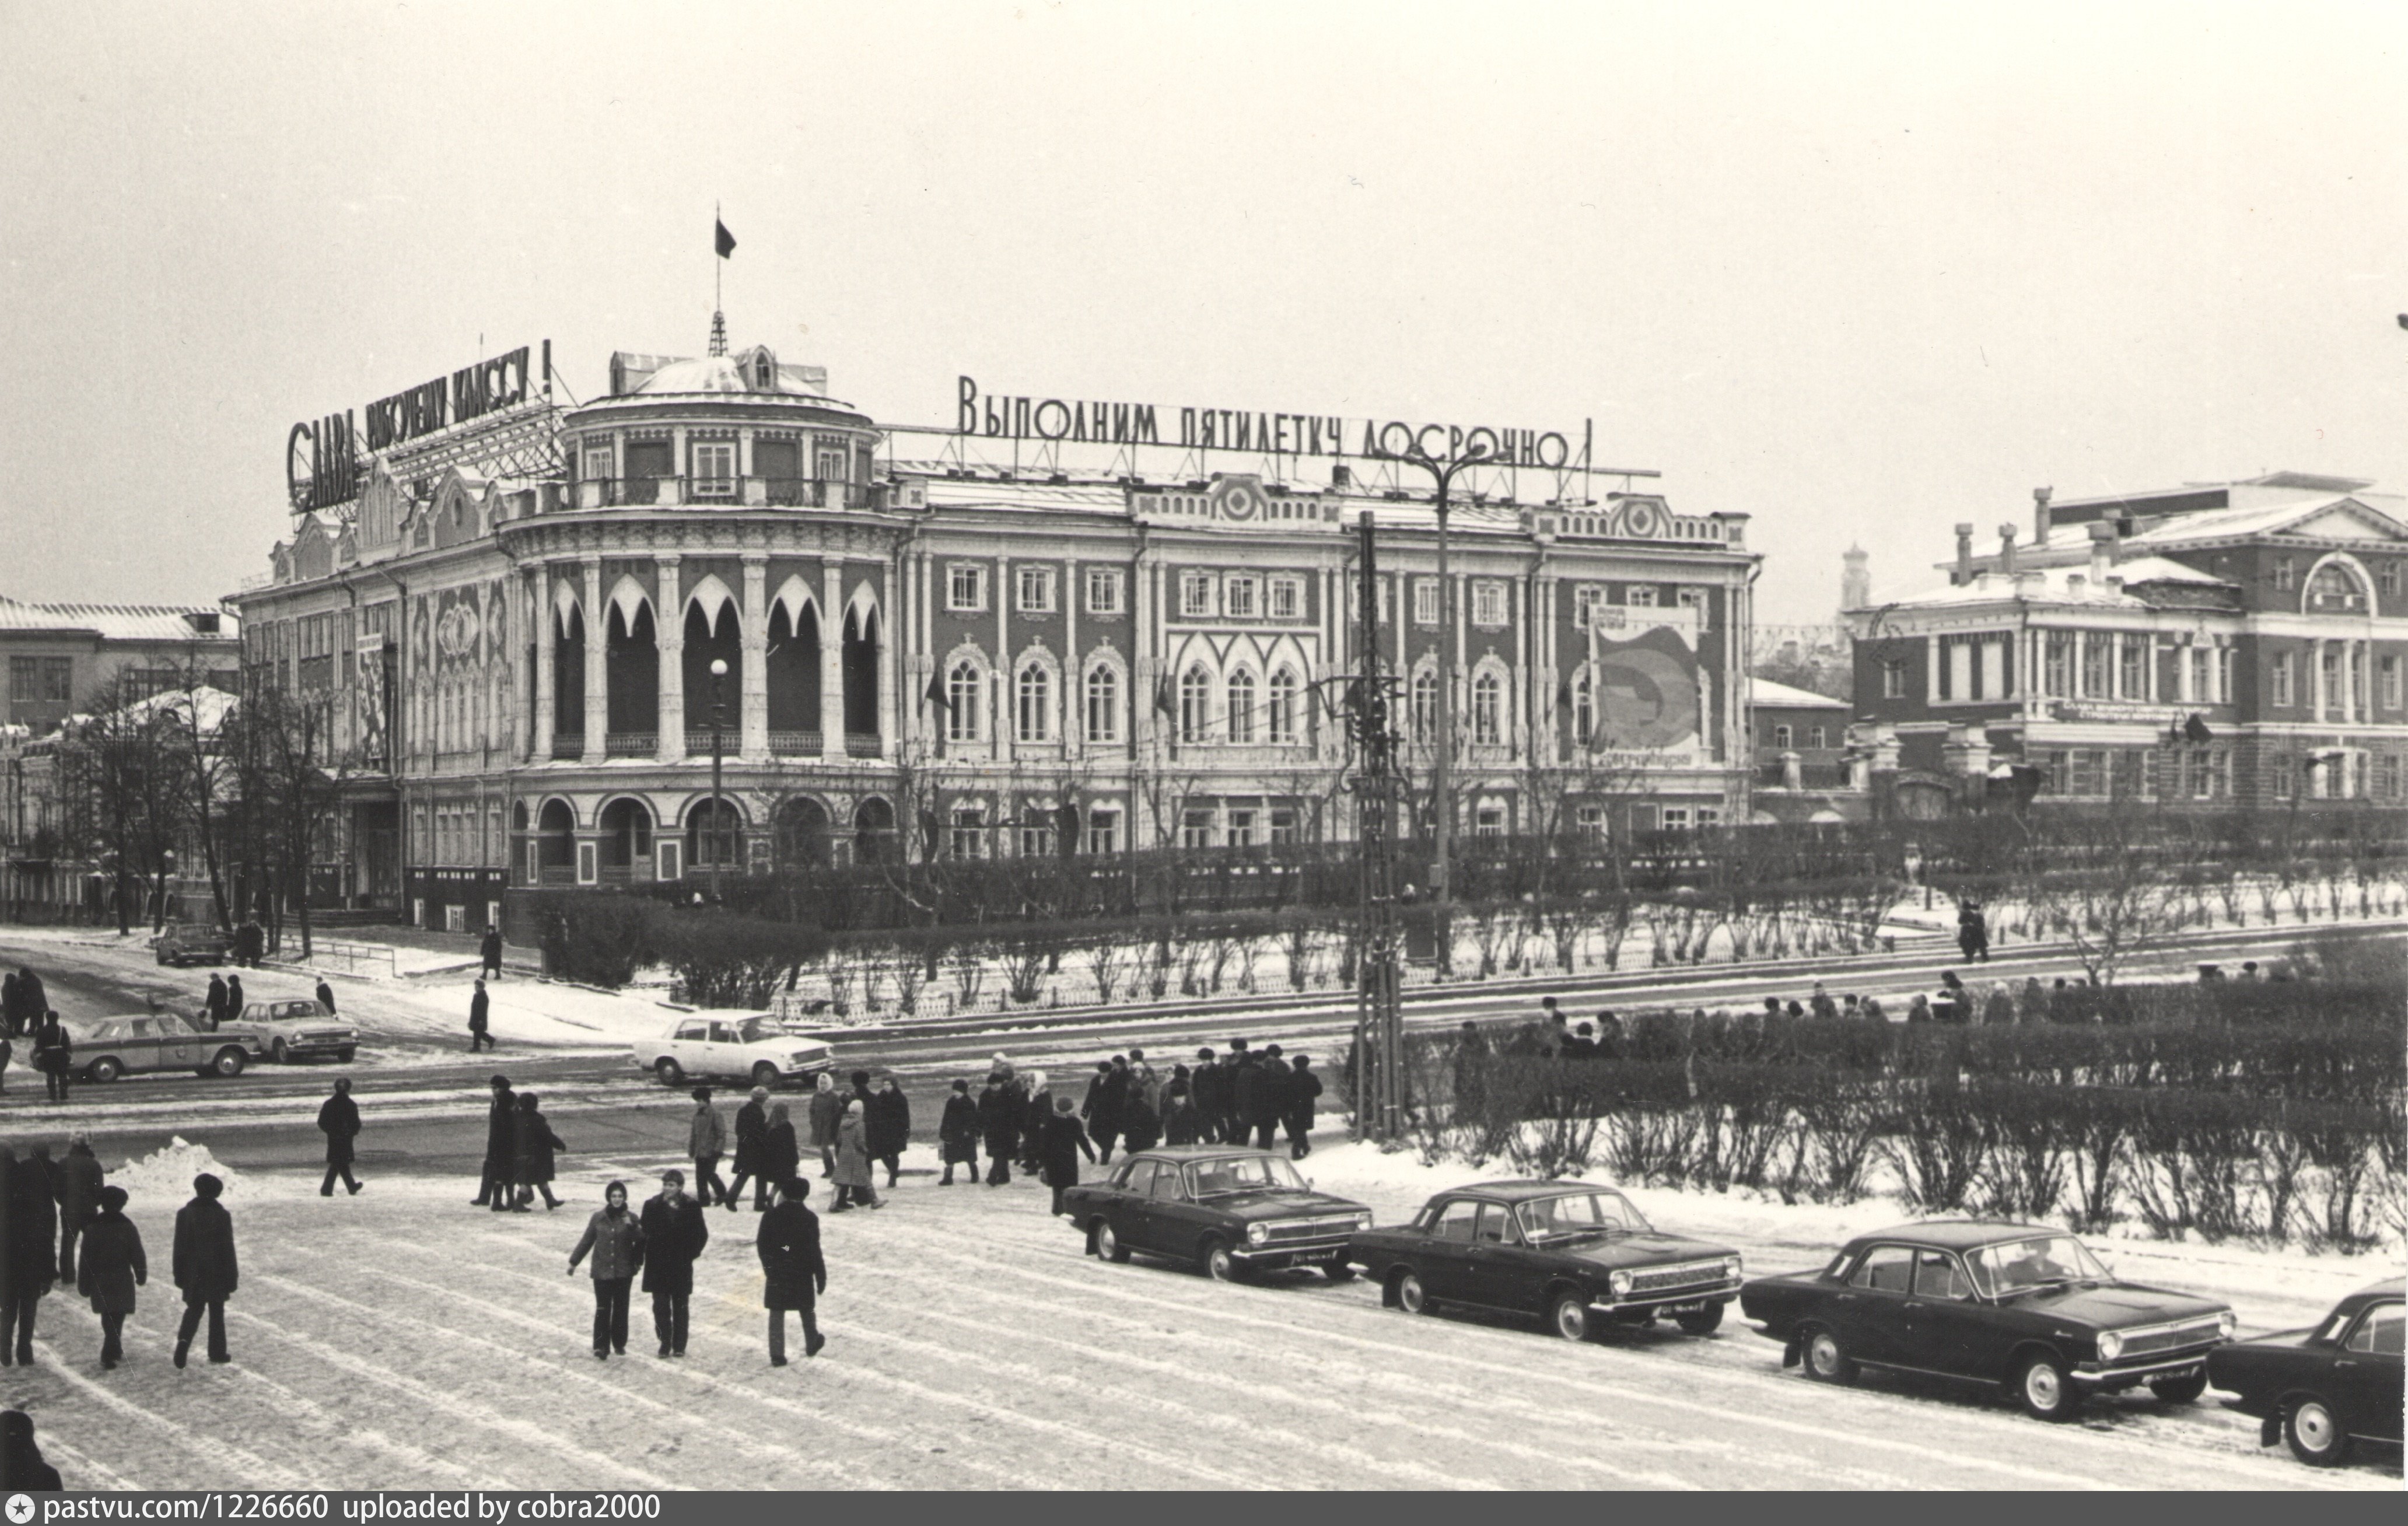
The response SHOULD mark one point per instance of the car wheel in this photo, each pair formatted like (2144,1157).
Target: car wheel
(2180,1391)
(764,1074)
(276,1053)
(1108,1245)
(1826,1360)
(1411,1296)
(2043,1389)
(1568,1315)
(107,1069)
(2315,1437)
(669,1069)
(1217,1262)
(1704,1322)
(163,958)
(1338,1271)
(229,1062)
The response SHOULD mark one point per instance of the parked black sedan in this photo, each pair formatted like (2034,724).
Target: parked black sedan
(2322,1387)
(1576,1255)
(2016,1305)
(1226,1208)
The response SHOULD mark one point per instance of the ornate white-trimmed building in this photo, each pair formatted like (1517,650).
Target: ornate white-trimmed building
(931,658)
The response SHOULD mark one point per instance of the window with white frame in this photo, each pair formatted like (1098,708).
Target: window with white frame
(1104,829)
(1425,704)
(1034,707)
(1195,705)
(1780,736)
(714,469)
(1036,590)
(1588,819)
(1583,711)
(966,837)
(2279,677)
(1285,830)
(1894,679)
(1640,596)
(2287,572)
(597,463)
(1488,603)
(1815,737)
(1287,599)
(1103,704)
(1036,840)
(1241,706)
(1692,598)
(1673,818)
(964,698)
(1242,828)
(2387,576)
(1195,827)
(1710,815)
(1586,596)
(1425,601)
(1104,586)
(965,587)
(1488,821)
(1279,713)
(2386,674)
(1196,595)
(1488,710)
(1238,597)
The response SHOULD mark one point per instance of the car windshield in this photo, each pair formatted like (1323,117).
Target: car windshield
(2041,1261)
(1578,1213)
(1246,1174)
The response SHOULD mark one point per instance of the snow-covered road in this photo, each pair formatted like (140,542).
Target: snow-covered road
(403,1339)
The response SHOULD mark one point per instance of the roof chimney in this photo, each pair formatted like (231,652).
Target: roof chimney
(2007,550)
(2041,515)
(2102,549)
(1964,555)
(1340,476)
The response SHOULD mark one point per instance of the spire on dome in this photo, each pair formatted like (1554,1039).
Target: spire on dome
(719,333)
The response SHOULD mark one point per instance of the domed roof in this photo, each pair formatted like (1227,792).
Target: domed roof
(713,373)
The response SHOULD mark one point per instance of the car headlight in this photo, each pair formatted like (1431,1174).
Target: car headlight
(2225,1323)
(2111,1346)
(1362,1221)
(1731,1266)
(1619,1282)
(1257,1233)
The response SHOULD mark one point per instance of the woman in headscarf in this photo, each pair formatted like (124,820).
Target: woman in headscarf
(113,1267)
(779,1152)
(853,1160)
(1036,1107)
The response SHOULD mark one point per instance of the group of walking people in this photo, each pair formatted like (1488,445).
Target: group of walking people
(852,1131)
(26,1017)
(62,1222)
(662,1241)
(520,1148)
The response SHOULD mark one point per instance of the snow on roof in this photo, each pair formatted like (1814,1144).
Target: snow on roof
(117,622)
(1764,691)
(2057,584)
(2261,519)
(1110,496)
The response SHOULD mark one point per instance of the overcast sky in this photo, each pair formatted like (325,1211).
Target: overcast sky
(1858,272)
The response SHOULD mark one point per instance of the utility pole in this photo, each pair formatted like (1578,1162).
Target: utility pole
(1443,754)
(1379,1019)
(718,746)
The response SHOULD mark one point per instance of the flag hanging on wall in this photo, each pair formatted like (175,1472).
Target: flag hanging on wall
(936,694)
(724,240)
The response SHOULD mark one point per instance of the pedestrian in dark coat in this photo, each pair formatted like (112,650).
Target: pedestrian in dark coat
(204,1266)
(1271,1097)
(33,997)
(890,1127)
(1102,1108)
(1237,1076)
(1182,1122)
(27,1260)
(795,1273)
(489,952)
(78,1180)
(8,1052)
(616,1238)
(1303,1090)
(675,1234)
(339,1119)
(113,1266)
(1065,1142)
(215,1002)
(1035,1095)
(23,1469)
(957,1133)
(501,1146)
(235,1002)
(998,1116)
(1141,1126)
(706,1142)
(752,1133)
(852,1182)
(327,997)
(12,1018)
(779,1153)
(53,1055)
(531,1164)
(1246,1095)
(827,1110)
(481,1013)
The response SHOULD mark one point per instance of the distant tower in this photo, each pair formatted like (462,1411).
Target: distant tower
(1856,581)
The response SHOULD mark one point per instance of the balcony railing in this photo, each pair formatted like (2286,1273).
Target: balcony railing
(861,744)
(717,492)
(568,745)
(697,744)
(630,744)
(794,743)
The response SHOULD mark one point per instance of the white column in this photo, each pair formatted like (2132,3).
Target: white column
(1932,670)
(832,658)
(1074,732)
(668,640)
(1002,711)
(547,652)
(888,662)
(752,703)
(597,657)
(2316,679)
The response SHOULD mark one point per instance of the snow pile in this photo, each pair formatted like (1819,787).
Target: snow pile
(166,1175)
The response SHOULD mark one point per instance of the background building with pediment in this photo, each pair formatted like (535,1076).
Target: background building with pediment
(939,643)
(2206,645)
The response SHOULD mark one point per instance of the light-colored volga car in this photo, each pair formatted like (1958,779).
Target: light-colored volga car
(299,1030)
(105,1048)
(732,1045)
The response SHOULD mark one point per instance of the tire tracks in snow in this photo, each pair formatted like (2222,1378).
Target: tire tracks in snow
(258,1470)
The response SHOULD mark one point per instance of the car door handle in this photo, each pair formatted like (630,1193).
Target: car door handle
(1843,1298)
(2343,1361)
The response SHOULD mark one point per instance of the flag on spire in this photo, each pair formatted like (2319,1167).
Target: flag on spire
(723,239)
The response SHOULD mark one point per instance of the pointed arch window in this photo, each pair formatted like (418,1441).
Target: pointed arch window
(1279,714)
(1241,706)
(1103,704)
(1488,710)
(1195,705)
(1034,710)
(965,699)
(1425,704)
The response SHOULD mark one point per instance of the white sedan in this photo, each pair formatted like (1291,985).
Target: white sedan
(738,1045)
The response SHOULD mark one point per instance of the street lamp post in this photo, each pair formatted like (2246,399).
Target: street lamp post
(1443,754)
(718,733)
